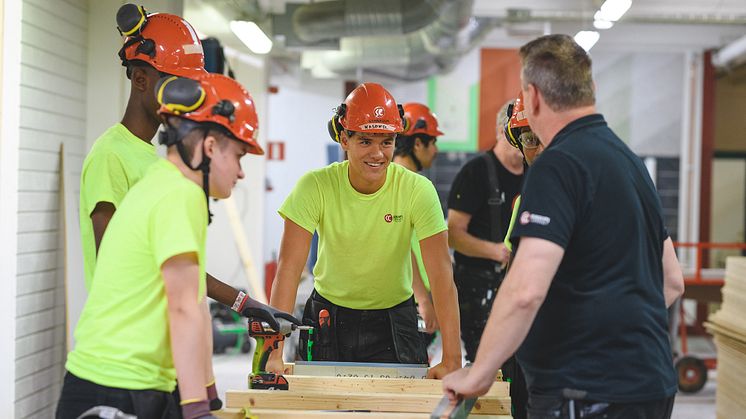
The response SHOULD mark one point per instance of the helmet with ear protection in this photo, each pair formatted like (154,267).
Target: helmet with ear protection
(212,98)
(165,41)
(517,120)
(369,108)
(420,120)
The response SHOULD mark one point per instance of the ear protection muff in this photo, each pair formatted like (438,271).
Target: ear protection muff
(131,19)
(512,134)
(180,95)
(334,127)
(225,108)
(405,121)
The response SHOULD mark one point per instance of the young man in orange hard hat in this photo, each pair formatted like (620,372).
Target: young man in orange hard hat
(416,150)
(365,210)
(146,319)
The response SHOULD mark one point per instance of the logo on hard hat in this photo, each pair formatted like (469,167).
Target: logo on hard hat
(378,111)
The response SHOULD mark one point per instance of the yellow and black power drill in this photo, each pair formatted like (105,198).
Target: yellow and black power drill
(267,340)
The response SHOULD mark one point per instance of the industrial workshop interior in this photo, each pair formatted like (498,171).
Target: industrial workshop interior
(353,209)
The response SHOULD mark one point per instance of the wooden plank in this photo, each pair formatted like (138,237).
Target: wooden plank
(304,383)
(377,402)
(323,414)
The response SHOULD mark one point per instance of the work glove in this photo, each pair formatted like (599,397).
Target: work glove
(253,308)
(212,396)
(197,409)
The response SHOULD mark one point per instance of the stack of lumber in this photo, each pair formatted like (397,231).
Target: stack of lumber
(348,397)
(728,326)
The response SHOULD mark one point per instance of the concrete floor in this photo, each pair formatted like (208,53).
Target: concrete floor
(232,370)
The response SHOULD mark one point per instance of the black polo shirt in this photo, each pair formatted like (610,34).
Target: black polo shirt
(469,194)
(603,326)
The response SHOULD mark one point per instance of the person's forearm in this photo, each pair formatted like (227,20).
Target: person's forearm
(472,246)
(189,350)
(418,286)
(221,292)
(445,301)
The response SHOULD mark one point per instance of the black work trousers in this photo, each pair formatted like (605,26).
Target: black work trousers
(79,395)
(556,407)
(477,289)
(385,335)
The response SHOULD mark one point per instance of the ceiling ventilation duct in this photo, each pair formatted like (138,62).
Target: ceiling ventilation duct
(433,49)
(329,20)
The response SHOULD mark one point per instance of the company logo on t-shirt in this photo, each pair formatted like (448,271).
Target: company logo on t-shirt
(527,217)
(393,218)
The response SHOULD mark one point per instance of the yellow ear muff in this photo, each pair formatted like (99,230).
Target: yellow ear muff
(180,95)
(130,19)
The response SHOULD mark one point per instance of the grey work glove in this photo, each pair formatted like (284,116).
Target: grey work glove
(253,308)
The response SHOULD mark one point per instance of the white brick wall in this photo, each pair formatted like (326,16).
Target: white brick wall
(53,112)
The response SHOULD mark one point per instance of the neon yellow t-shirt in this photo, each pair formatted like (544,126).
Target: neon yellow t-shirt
(116,162)
(364,259)
(122,338)
(513,216)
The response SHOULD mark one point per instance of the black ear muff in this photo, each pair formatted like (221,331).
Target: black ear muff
(334,127)
(131,19)
(225,108)
(146,47)
(179,95)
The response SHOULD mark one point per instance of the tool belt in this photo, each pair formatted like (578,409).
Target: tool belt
(362,335)
(554,407)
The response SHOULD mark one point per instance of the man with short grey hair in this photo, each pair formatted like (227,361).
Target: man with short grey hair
(584,302)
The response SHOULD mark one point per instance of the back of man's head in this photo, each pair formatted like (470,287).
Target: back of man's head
(560,69)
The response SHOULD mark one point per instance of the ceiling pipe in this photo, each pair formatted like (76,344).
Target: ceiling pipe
(329,20)
(434,49)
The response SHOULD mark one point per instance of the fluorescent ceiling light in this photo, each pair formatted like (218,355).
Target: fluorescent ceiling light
(587,39)
(252,36)
(602,24)
(613,10)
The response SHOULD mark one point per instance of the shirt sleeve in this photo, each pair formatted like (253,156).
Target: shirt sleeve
(304,204)
(554,197)
(104,180)
(178,224)
(427,217)
(466,195)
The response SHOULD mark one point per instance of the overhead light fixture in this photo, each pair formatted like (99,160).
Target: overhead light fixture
(613,10)
(587,39)
(602,24)
(252,36)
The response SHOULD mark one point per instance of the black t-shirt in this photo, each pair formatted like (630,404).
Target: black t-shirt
(470,192)
(603,325)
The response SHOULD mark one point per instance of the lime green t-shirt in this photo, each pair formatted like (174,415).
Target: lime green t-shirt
(122,338)
(513,216)
(116,162)
(364,259)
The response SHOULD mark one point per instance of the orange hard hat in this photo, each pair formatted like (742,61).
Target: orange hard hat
(517,121)
(165,41)
(212,98)
(419,120)
(369,108)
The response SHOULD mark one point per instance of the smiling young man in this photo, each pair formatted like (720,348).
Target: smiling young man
(146,321)
(365,210)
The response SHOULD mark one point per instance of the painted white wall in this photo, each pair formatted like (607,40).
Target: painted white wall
(640,96)
(10,80)
(52,113)
(298,115)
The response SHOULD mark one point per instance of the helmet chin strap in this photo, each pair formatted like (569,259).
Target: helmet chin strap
(203,166)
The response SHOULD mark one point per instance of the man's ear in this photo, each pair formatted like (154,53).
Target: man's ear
(344,140)
(211,145)
(531,99)
(140,79)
